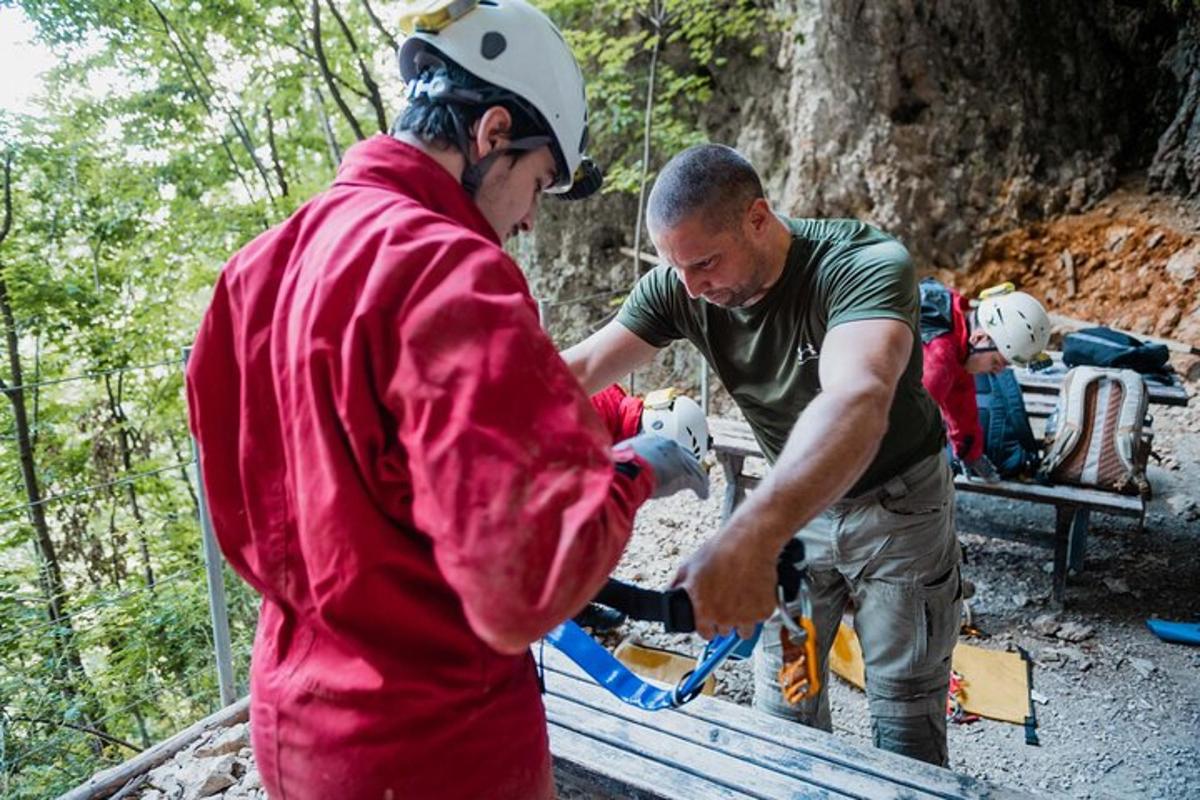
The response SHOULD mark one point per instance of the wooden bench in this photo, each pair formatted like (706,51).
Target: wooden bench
(715,749)
(733,443)
(1047,384)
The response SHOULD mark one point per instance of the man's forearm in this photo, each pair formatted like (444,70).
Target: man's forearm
(830,447)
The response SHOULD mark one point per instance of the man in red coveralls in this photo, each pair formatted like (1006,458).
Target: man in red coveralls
(396,457)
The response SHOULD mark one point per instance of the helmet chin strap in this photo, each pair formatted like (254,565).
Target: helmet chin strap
(473,174)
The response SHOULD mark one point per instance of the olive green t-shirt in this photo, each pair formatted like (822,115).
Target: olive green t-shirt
(767,354)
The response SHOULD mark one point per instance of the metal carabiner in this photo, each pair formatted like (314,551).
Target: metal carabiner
(781,608)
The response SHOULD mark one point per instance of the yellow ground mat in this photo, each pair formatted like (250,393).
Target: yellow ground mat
(995,684)
(663,666)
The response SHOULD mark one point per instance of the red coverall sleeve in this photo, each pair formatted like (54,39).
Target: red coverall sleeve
(620,412)
(513,473)
(953,388)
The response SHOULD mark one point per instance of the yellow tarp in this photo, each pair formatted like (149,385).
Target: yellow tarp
(662,666)
(995,684)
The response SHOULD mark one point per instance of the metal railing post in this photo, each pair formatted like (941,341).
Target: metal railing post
(213,562)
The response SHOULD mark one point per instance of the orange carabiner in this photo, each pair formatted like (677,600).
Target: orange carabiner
(798,677)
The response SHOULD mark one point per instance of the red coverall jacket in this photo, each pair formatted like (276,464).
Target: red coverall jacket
(951,386)
(399,461)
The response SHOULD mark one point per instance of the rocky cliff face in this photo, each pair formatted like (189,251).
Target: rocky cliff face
(945,122)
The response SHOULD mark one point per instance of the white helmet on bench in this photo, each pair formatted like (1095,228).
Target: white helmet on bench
(676,416)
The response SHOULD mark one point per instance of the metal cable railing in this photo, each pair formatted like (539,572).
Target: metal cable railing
(114,633)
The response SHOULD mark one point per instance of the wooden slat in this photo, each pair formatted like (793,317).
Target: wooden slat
(595,768)
(726,757)
(733,437)
(104,784)
(734,740)
(1057,495)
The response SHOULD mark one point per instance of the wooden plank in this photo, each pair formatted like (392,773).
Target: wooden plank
(585,766)
(804,754)
(733,437)
(727,757)
(1065,496)
(1057,495)
(104,784)
(727,774)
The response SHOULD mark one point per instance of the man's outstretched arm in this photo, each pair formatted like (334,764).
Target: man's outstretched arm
(731,578)
(607,356)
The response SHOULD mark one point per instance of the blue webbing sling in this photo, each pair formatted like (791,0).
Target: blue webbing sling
(674,610)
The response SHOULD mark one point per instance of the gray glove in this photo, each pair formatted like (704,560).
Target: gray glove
(675,469)
(983,469)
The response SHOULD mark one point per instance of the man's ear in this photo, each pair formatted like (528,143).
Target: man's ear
(492,129)
(757,216)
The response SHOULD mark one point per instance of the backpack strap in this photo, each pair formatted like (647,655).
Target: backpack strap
(1132,414)
(1068,416)
(937,318)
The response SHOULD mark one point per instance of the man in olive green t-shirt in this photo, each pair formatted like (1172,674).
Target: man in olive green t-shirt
(812,326)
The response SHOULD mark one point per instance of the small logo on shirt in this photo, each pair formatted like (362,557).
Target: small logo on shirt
(807,353)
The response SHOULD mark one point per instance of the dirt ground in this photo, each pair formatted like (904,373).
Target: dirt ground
(1130,262)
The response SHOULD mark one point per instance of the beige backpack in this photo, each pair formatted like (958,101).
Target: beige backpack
(1096,436)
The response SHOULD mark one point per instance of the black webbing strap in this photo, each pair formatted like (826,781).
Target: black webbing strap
(673,608)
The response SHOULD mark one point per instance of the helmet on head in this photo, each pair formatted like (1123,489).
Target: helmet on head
(519,51)
(676,416)
(1015,321)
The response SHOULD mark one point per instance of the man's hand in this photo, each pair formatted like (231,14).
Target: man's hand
(731,583)
(982,469)
(674,468)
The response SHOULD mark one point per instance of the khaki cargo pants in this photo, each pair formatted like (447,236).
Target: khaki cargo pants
(895,553)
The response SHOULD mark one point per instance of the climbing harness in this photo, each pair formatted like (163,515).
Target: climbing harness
(673,610)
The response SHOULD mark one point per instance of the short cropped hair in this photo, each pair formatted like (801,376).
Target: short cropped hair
(433,121)
(709,179)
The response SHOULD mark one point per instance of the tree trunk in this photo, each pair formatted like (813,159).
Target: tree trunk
(121,421)
(68,665)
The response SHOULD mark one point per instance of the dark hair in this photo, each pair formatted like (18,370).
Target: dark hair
(433,121)
(709,179)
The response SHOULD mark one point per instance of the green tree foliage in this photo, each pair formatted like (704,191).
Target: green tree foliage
(615,40)
(170,134)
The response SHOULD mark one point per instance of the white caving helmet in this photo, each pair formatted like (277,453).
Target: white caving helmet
(676,416)
(517,49)
(1015,321)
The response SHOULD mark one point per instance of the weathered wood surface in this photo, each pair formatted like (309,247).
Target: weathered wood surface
(712,748)
(110,781)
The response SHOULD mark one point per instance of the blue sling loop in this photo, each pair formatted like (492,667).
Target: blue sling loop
(618,679)
(673,609)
